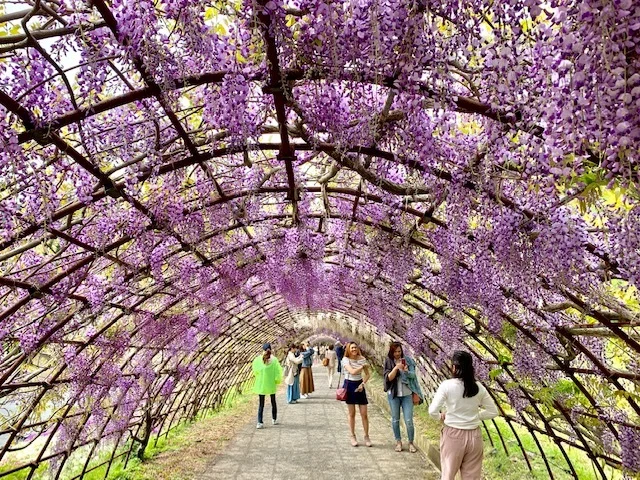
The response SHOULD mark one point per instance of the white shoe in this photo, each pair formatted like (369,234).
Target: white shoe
(305,396)
(259,426)
(274,422)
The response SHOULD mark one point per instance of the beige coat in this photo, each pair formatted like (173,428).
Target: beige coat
(333,358)
(292,367)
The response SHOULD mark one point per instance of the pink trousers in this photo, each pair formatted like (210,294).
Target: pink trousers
(461,450)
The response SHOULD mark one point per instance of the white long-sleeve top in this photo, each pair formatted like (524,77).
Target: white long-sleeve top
(293,360)
(463,413)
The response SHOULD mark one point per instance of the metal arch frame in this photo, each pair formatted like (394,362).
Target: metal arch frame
(152,90)
(147,298)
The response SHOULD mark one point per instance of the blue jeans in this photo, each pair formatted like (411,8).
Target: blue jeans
(406,403)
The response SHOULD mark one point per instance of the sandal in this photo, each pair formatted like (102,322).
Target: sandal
(354,441)
(412,448)
(399,447)
(367,442)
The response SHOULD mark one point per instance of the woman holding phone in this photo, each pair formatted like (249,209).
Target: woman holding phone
(356,375)
(403,392)
(292,379)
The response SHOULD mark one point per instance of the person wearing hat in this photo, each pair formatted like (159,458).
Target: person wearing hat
(268,373)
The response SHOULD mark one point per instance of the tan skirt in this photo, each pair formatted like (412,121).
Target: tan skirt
(306,380)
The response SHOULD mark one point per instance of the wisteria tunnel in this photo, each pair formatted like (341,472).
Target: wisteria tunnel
(183,180)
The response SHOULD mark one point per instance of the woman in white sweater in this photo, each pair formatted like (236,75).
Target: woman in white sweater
(291,374)
(467,404)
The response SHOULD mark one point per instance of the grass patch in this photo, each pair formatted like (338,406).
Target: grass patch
(182,454)
(513,466)
(180,457)
(186,452)
(23,473)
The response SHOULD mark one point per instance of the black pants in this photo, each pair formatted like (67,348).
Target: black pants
(274,407)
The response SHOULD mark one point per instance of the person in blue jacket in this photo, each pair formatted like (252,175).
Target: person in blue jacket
(306,375)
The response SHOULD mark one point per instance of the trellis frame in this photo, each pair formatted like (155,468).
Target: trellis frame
(254,321)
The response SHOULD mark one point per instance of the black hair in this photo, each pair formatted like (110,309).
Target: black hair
(464,370)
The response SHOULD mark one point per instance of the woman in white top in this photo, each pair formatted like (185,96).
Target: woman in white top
(330,355)
(291,377)
(356,375)
(467,404)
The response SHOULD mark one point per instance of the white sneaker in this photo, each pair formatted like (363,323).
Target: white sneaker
(274,422)
(260,425)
